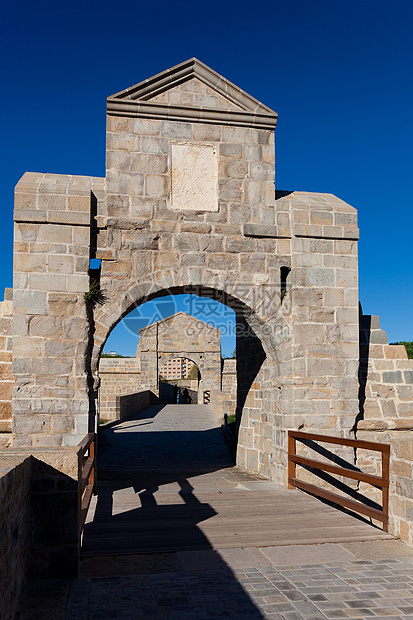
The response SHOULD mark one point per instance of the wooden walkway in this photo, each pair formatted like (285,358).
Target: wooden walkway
(179,505)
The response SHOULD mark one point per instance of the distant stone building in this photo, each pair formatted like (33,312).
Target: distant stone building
(170,348)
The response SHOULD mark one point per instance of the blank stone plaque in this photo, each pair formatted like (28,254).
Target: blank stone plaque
(194,177)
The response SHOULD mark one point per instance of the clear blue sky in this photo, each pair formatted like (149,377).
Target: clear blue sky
(338,73)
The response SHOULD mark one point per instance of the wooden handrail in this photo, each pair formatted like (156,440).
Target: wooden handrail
(381,482)
(87,476)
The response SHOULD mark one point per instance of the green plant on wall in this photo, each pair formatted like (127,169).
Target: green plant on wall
(95,296)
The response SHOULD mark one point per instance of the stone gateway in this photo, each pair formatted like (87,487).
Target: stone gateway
(188,205)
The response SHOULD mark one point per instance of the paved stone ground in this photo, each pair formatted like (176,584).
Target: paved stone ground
(359,589)
(356,580)
(164,437)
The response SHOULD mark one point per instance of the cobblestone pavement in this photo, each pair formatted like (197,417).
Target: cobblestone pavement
(358,589)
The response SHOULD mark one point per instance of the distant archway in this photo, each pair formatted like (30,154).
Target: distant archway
(179,380)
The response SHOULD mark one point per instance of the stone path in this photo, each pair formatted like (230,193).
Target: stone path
(164,437)
(203,575)
(364,580)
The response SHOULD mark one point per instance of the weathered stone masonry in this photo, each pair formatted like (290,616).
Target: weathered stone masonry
(286,263)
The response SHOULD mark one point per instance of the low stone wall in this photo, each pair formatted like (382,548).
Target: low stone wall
(386,416)
(222,403)
(15,529)
(6,376)
(130,404)
(118,376)
(49,483)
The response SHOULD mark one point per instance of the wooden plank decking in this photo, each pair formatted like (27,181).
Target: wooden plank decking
(225,509)
(166,483)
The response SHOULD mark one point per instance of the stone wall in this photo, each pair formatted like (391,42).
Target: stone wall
(118,377)
(54,542)
(129,405)
(53,242)
(15,539)
(386,416)
(6,376)
(39,517)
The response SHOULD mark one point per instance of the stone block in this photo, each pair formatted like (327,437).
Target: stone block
(230,150)
(308,334)
(395,352)
(176,130)
(345,219)
(234,168)
(55,234)
(236,134)
(321,217)
(346,278)
(44,326)
(156,185)
(29,262)
(5,406)
(345,247)
(47,282)
(141,126)
(321,277)
(378,337)
(78,283)
(260,230)
(208,133)
(261,171)
(69,217)
(394,376)
(149,162)
(408,376)
(60,263)
(324,367)
(150,144)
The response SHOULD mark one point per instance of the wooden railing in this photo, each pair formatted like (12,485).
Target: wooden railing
(207,397)
(377,481)
(87,480)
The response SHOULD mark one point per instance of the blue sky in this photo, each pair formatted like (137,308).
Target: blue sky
(338,73)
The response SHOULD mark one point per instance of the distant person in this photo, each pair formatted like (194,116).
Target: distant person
(179,396)
(185,394)
(176,390)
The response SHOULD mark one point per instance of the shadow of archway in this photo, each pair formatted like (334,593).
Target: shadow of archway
(147,516)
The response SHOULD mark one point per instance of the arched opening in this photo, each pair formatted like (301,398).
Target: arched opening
(260,332)
(179,380)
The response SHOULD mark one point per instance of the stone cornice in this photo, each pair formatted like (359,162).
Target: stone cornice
(164,111)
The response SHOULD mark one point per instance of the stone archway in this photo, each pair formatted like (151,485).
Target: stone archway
(262,339)
(188,204)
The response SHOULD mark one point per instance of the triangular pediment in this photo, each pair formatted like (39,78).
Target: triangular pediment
(195,92)
(188,318)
